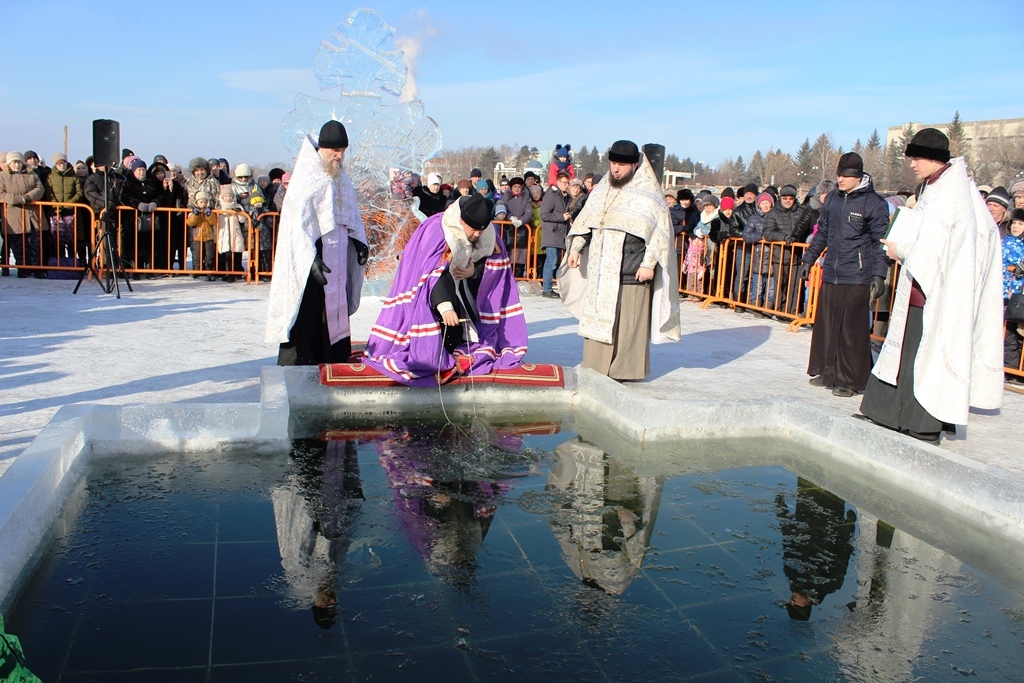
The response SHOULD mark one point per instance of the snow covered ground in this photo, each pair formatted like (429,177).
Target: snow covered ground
(179,339)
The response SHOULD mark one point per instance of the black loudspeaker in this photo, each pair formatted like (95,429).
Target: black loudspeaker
(106,142)
(655,154)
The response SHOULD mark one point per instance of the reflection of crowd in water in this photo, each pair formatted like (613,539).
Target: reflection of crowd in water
(447,487)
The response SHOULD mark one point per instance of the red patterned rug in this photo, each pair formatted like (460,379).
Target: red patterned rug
(358,375)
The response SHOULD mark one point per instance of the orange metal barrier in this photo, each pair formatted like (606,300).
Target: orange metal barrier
(521,246)
(151,243)
(46,239)
(761,277)
(263,245)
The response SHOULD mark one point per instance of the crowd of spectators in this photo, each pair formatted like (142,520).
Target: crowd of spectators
(130,197)
(772,224)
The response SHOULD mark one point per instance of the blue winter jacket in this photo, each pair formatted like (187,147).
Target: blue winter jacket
(851,225)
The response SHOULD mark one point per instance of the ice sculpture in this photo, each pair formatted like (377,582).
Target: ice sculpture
(387,138)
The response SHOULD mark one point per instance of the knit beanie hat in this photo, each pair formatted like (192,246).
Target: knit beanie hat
(482,185)
(475,173)
(15,156)
(464,184)
(202,194)
(728,192)
(764,197)
(750,187)
(433,179)
(133,163)
(787,191)
(928,143)
(728,203)
(500,208)
(999,196)
(1017,189)
(58,157)
(709,200)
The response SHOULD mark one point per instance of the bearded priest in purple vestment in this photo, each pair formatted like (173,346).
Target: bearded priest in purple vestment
(454,305)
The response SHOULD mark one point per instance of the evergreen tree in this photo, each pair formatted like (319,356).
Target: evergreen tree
(894,167)
(956,135)
(874,142)
(488,160)
(673,163)
(804,161)
(522,156)
(755,171)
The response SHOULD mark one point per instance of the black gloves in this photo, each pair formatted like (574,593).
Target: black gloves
(362,253)
(789,240)
(877,288)
(803,271)
(317,270)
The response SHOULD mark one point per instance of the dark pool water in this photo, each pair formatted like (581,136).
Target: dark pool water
(523,554)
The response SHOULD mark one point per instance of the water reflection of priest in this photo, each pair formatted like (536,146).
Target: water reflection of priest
(604,523)
(817,540)
(316,512)
(445,497)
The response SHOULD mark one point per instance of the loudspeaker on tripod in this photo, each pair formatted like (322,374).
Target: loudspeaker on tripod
(655,154)
(106,142)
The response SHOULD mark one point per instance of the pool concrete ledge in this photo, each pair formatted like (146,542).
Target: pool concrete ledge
(36,486)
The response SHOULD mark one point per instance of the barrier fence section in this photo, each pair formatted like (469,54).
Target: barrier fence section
(46,239)
(56,240)
(760,276)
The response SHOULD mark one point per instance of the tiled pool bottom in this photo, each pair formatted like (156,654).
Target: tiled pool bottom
(559,564)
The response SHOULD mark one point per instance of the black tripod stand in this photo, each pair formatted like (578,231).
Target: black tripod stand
(105,254)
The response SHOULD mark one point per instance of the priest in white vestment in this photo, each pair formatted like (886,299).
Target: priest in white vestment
(321,256)
(943,351)
(620,276)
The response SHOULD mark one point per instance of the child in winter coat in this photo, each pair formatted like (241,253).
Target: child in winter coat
(753,233)
(699,249)
(230,237)
(203,225)
(561,161)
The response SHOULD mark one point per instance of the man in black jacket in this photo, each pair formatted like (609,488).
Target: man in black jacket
(745,208)
(853,220)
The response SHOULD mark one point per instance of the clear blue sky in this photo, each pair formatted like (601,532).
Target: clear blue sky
(707,80)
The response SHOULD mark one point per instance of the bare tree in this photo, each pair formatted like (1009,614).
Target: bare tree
(757,169)
(824,156)
(999,160)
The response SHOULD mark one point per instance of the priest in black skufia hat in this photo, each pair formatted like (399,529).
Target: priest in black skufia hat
(321,256)
(619,278)
(943,352)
